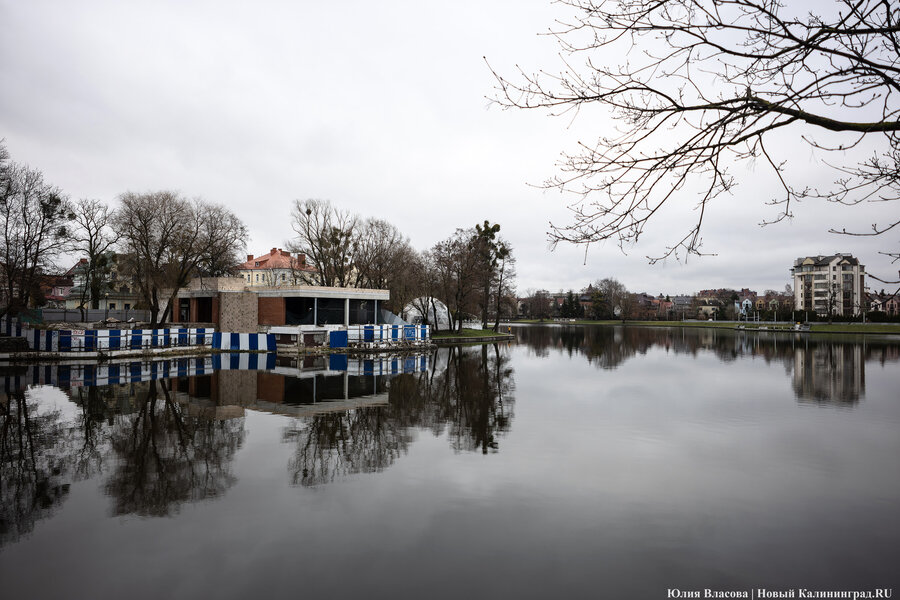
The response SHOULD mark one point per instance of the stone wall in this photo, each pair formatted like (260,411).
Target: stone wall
(233,388)
(238,312)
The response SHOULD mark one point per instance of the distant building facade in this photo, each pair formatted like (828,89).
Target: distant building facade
(117,289)
(889,304)
(277,268)
(833,284)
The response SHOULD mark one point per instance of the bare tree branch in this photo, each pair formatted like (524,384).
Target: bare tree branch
(700,86)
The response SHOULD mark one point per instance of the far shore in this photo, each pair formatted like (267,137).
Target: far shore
(786,326)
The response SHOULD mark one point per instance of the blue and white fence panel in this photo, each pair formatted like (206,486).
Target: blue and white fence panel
(245,342)
(105,340)
(386,334)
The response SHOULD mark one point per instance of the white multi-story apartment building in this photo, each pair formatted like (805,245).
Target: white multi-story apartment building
(832,284)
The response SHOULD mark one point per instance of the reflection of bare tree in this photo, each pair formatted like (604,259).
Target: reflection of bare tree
(167,457)
(362,440)
(468,393)
(34,464)
(92,423)
(479,408)
(604,347)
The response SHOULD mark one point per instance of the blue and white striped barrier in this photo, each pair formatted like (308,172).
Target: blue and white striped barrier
(104,340)
(376,334)
(135,372)
(248,342)
(94,340)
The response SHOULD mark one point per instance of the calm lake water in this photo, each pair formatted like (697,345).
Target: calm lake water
(594,462)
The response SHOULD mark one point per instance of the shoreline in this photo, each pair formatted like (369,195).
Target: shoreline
(452,340)
(768,327)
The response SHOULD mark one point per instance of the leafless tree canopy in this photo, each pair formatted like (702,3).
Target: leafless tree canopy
(93,236)
(169,239)
(348,250)
(33,230)
(325,234)
(697,85)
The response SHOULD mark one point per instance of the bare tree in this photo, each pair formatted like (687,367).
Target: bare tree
(458,267)
(325,235)
(617,301)
(374,248)
(169,239)
(425,272)
(709,83)
(93,236)
(150,224)
(406,280)
(383,259)
(539,304)
(33,227)
(222,239)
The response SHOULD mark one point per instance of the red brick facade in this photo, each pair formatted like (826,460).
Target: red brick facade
(271,310)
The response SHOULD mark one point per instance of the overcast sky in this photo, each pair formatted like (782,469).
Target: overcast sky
(379,107)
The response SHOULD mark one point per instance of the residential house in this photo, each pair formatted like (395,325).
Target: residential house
(117,291)
(55,288)
(886,303)
(277,268)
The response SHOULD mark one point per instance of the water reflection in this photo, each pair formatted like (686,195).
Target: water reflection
(467,393)
(827,370)
(35,463)
(165,433)
(167,454)
(679,459)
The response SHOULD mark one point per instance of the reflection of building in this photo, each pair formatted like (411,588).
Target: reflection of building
(831,373)
(318,385)
(829,284)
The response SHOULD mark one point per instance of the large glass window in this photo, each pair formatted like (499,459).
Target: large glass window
(184,309)
(331,311)
(362,312)
(204,310)
(298,311)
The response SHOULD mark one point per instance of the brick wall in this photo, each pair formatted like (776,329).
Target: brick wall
(271,311)
(238,312)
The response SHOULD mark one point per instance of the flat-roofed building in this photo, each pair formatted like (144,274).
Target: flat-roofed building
(231,304)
